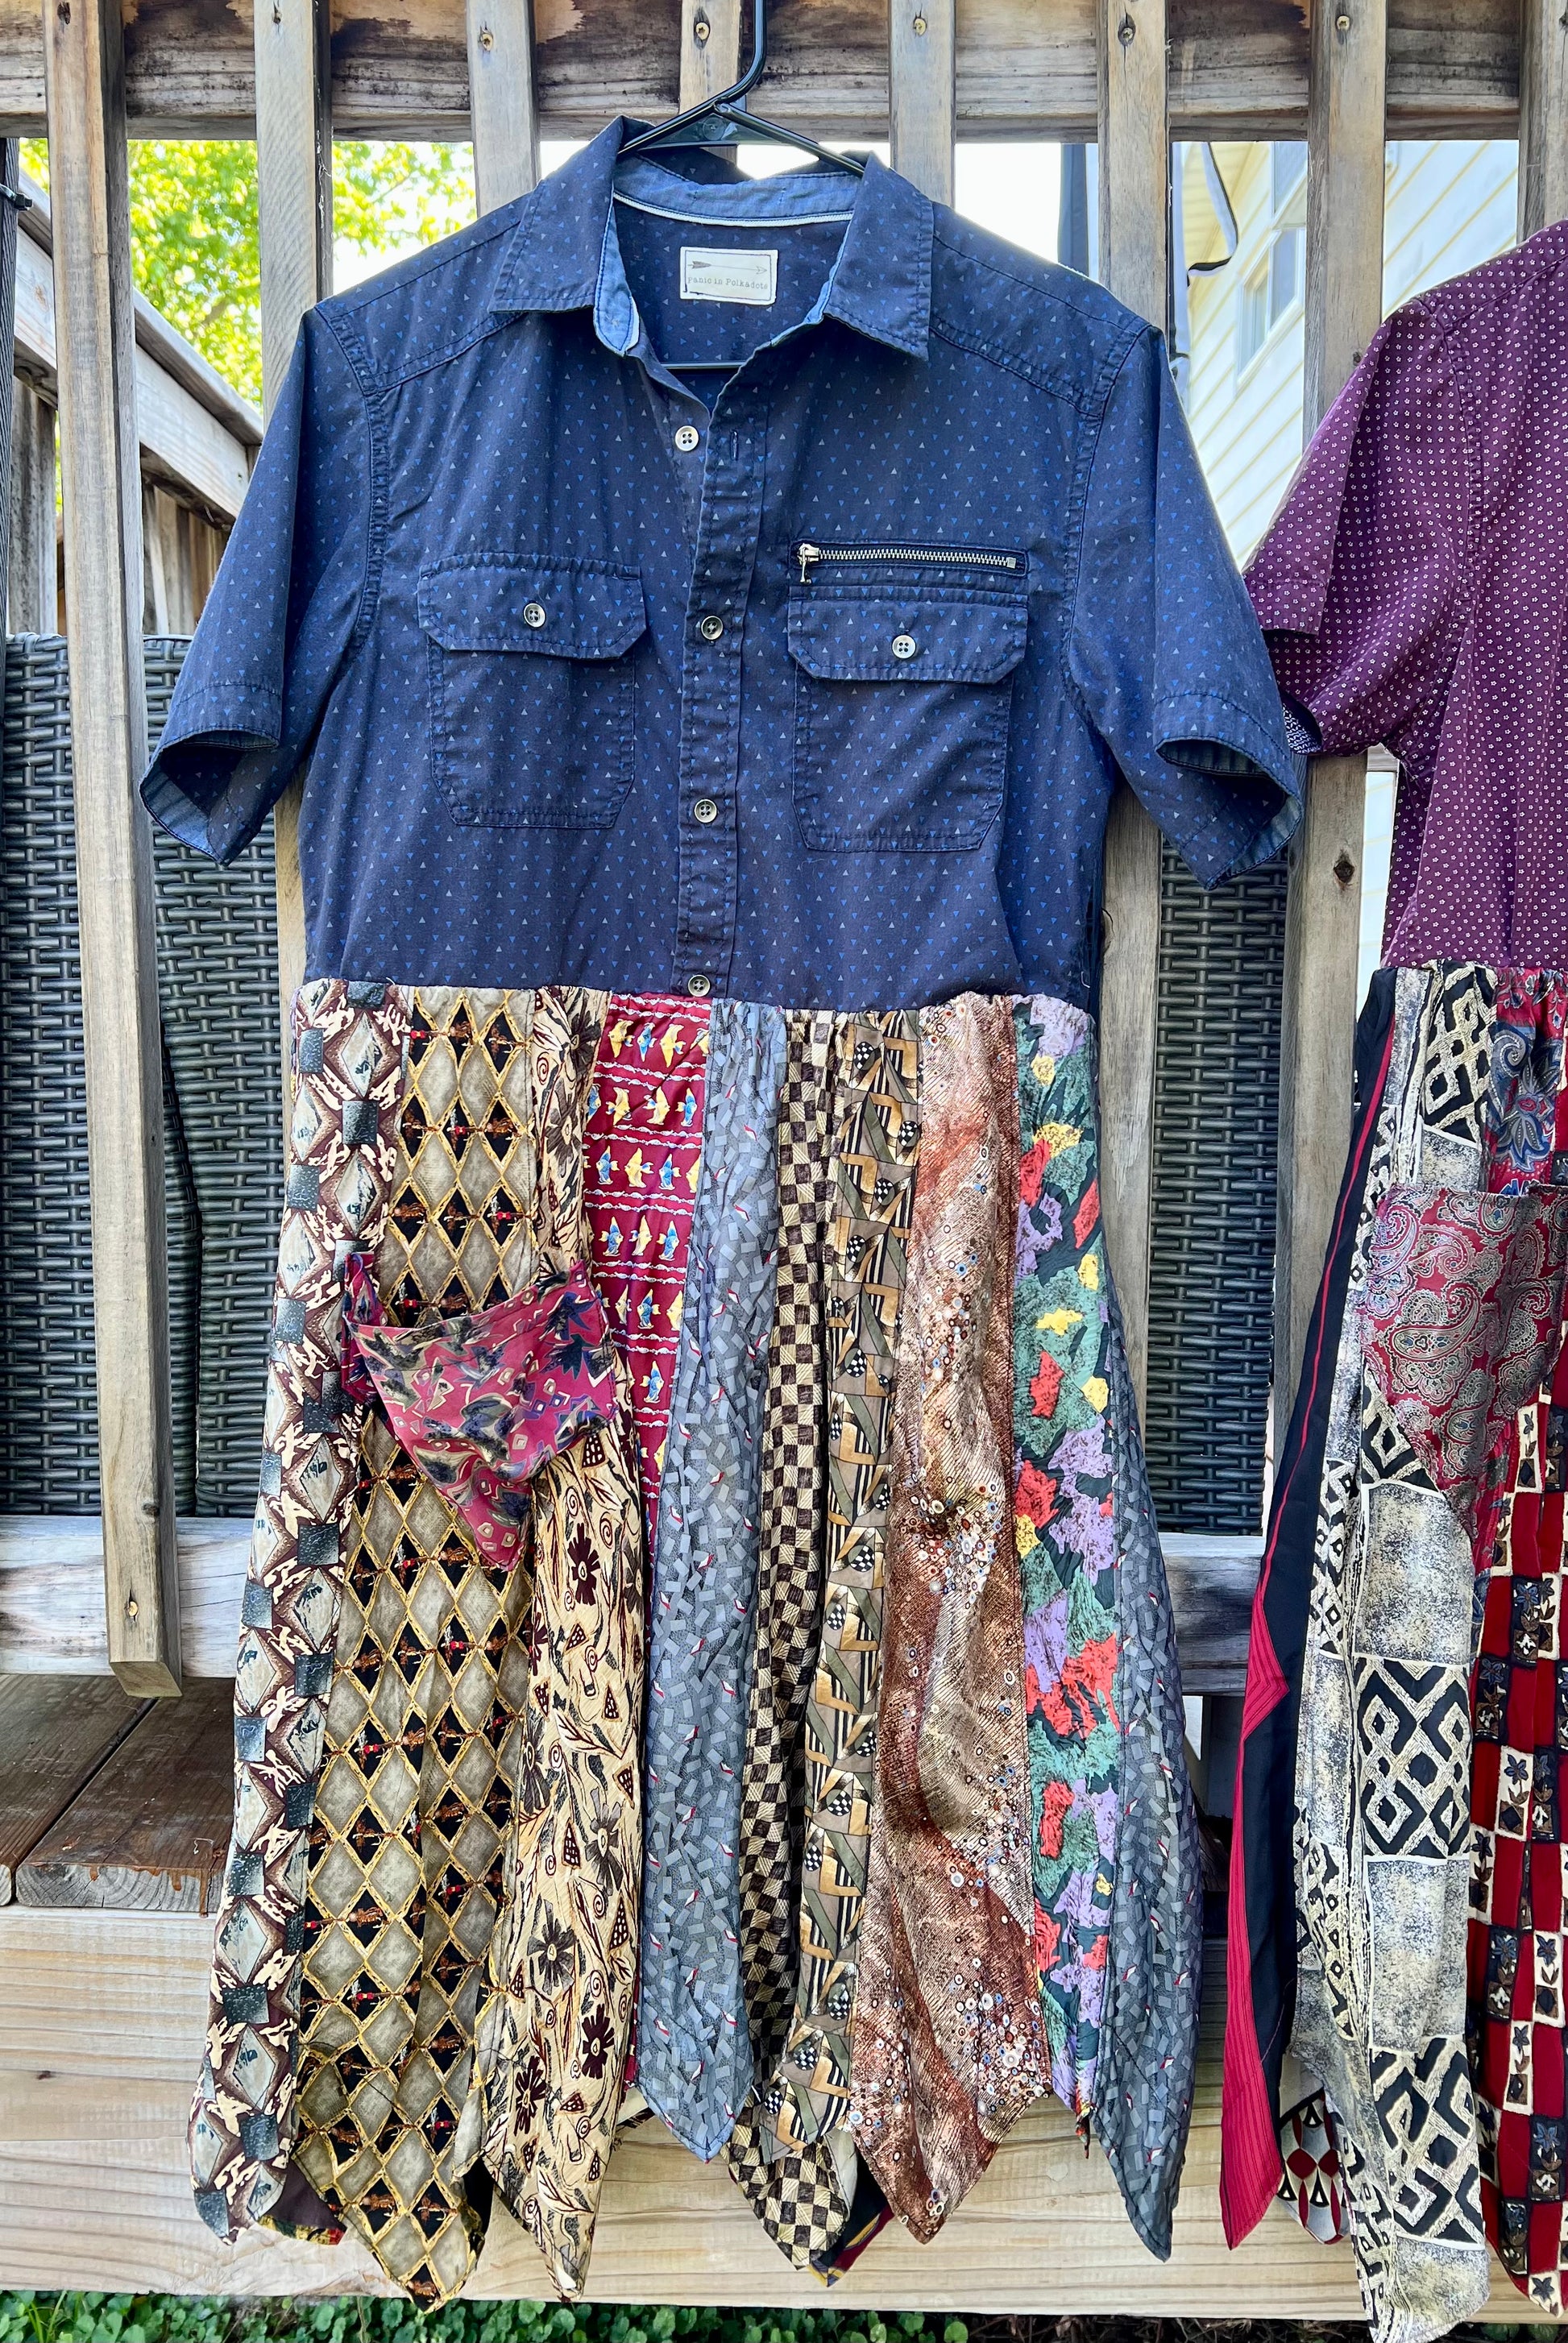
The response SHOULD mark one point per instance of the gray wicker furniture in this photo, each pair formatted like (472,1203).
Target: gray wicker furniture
(218,963)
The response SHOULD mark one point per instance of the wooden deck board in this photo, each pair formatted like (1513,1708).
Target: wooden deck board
(100,2037)
(54,1732)
(1238,67)
(150,1830)
(52,1598)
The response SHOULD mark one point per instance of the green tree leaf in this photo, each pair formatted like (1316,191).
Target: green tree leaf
(193,241)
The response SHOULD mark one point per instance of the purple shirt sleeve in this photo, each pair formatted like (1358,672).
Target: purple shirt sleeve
(1357,583)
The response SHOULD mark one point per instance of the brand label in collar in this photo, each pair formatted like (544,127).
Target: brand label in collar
(709,276)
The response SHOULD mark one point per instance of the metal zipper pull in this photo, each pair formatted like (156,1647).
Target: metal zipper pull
(806,555)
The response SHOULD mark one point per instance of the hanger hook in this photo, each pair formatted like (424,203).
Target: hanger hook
(753,74)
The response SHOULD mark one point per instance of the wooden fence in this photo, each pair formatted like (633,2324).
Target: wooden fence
(100,2024)
(1133,72)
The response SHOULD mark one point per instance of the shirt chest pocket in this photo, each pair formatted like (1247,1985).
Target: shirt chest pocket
(531,690)
(903,695)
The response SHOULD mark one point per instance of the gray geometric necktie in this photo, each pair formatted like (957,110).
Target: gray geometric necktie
(694,2051)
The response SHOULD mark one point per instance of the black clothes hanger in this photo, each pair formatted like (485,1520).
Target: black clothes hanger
(723,121)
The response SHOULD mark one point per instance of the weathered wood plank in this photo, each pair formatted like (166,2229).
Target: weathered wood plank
(149,1832)
(181,440)
(11,173)
(922,97)
(101,480)
(51,1594)
(1239,68)
(1345,176)
(179,561)
(294,175)
(1212,1582)
(101,2029)
(1542,115)
(31,604)
(709,49)
(505,127)
(51,1622)
(195,428)
(1134,262)
(294,187)
(54,1731)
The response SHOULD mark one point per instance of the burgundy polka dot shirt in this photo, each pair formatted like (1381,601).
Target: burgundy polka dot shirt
(1414,591)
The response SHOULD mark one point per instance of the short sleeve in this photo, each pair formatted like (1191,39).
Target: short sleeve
(1357,583)
(1164,650)
(281,615)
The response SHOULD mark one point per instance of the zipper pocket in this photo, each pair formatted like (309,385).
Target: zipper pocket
(954,556)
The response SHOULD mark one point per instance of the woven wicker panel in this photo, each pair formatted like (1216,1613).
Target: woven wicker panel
(48,1399)
(1216,1133)
(217,958)
(182,1226)
(217,977)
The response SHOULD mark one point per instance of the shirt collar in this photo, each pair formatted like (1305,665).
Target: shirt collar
(564,253)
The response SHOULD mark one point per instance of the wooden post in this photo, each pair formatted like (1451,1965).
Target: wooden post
(1542,115)
(10,172)
(922,105)
(709,48)
(1322,919)
(32,600)
(85,81)
(1134,263)
(294,182)
(501,101)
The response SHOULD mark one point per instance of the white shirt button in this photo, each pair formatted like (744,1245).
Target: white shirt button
(533,614)
(903,647)
(705,810)
(688,438)
(700,987)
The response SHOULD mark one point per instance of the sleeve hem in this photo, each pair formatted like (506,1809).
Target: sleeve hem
(211,781)
(1216,723)
(232,710)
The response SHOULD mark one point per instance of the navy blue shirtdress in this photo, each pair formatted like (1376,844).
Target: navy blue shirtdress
(806,682)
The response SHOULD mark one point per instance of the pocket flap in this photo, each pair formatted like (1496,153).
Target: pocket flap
(565,609)
(847,634)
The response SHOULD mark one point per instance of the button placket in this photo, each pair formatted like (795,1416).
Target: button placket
(674,416)
(729,521)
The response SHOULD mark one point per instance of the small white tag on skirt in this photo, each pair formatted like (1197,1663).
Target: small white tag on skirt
(708,275)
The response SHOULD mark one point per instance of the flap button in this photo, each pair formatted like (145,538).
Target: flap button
(903,647)
(700,987)
(687,438)
(705,810)
(533,614)
(712,627)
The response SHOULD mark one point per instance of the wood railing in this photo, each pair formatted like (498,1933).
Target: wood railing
(1116,69)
